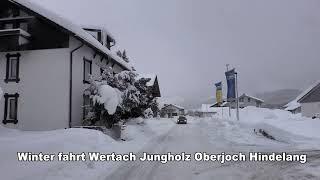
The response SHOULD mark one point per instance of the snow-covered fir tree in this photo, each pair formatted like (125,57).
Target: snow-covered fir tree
(124,56)
(119,96)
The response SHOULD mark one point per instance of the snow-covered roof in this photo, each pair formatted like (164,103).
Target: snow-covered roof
(207,108)
(152,78)
(295,103)
(105,30)
(179,107)
(307,91)
(252,97)
(75,29)
(292,106)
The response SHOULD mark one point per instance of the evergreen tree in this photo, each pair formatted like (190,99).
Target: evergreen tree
(119,53)
(135,98)
(124,56)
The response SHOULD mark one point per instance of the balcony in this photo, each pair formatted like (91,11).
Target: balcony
(14,32)
(13,39)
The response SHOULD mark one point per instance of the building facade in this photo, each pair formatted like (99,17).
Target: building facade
(45,65)
(310,102)
(246,100)
(171,110)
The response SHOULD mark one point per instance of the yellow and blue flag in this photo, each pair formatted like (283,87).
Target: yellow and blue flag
(219,92)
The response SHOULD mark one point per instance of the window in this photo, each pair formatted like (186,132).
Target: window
(87,105)
(8,26)
(249,99)
(12,74)
(87,70)
(101,71)
(11,108)
(241,99)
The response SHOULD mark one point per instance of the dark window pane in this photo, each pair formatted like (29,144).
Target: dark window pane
(87,70)
(12,109)
(13,68)
(86,100)
(8,26)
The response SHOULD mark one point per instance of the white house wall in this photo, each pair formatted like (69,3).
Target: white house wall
(310,109)
(78,85)
(43,89)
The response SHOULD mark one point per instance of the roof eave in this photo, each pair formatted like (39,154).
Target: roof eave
(307,94)
(67,31)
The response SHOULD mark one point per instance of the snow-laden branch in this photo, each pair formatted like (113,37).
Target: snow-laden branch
(110,97)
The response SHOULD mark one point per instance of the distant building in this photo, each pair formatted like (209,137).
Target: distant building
(206,111)
(246,100)
(171,110)
(310,101)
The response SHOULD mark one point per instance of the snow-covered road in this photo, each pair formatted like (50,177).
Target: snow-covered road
(215,136)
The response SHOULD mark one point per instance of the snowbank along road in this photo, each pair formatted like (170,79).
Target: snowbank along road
(215,136)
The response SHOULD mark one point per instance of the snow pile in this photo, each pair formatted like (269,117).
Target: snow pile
(293,123)
(143,129)
(110,97)
(226,134)
(285,127)
(76,141)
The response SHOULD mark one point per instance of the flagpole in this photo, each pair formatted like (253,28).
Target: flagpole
(237,96)
(227,97)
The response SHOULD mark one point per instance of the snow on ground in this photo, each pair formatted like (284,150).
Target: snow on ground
(285,127)
(72,140)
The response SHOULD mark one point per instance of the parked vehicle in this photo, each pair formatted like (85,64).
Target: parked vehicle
(182,120)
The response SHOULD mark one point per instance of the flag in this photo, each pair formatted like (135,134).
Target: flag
(219,92)
(231,82)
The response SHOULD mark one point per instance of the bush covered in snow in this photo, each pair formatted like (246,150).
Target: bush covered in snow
(148,113)
(119,96)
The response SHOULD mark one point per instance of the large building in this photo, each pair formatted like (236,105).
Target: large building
(45,63)
(310,101)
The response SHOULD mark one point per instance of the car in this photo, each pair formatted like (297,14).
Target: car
(182,120)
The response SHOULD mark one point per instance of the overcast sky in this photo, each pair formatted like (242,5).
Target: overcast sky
(273,44)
